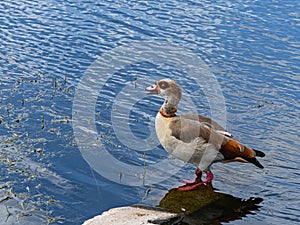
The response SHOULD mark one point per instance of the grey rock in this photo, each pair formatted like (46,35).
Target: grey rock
(134,215)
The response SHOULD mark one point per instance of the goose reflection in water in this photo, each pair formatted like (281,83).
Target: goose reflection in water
(206,206)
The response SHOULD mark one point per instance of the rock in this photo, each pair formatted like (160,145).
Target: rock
(187,202)
(200,206)
(134,215)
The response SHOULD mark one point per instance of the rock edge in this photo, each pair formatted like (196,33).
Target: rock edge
(134,215)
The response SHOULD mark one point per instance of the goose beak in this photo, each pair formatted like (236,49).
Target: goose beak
(153,90)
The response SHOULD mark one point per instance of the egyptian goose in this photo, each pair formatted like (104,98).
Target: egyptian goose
(194,138)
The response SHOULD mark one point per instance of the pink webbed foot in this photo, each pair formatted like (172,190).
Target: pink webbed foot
(195,185)
(198,179)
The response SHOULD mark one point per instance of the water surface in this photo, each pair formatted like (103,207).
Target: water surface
(46,47)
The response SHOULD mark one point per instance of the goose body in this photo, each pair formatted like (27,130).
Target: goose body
(194,138)
(190,146)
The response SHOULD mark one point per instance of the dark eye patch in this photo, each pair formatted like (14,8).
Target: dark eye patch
(163,85)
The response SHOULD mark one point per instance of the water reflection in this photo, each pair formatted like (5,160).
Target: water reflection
(207,206)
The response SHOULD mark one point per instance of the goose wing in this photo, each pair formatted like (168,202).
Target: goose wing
(187,130)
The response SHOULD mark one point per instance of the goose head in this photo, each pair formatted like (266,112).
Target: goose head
(170,91)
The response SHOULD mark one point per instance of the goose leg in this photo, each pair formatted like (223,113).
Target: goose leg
(198,178)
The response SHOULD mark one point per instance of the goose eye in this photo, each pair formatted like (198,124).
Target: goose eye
(163,85)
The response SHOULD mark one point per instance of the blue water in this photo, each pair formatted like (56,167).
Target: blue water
(48,47)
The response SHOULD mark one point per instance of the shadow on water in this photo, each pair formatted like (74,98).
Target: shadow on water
(206,206)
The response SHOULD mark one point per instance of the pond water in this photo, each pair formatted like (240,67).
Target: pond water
(72,99)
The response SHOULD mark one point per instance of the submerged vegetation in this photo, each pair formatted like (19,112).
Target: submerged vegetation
(29,120)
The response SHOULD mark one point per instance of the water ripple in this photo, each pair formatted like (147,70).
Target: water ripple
(46,47)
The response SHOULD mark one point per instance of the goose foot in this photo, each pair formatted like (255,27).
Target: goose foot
(196,184)
(198,179)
